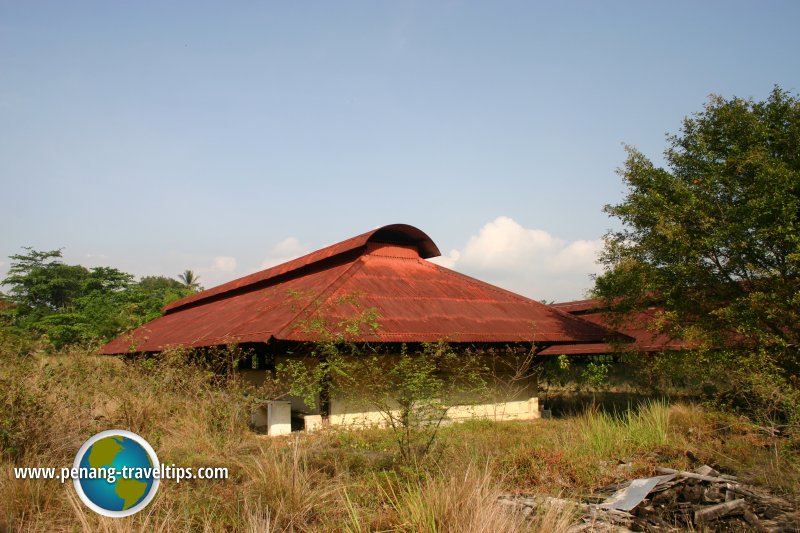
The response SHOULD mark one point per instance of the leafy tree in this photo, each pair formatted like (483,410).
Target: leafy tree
(39,280)
(71,304)
(152,293)
(190,280)
(107,279)
(161,284)
(715,236)
(413,389)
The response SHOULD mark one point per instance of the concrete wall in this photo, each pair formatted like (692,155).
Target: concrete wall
(344,413)
(274,418)
(510,397)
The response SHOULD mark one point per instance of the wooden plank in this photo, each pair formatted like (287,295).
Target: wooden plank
(754,522)
(692,475)
(720,510)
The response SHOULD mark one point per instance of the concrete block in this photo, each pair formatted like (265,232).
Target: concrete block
(259,418)
(313,422)
(279,417)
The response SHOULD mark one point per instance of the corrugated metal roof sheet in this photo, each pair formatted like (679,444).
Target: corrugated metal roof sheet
(578,306)
(417,301)
(638,325)
(394,233)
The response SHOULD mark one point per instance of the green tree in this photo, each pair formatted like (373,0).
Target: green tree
(97,312)
(715,236)
(161,284)
(149,296)
(41,281)
(190,280)
(72,304)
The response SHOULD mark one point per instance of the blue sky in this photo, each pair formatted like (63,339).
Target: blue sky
(224,137)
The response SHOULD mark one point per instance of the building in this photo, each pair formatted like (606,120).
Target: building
(639,325)
(385,269)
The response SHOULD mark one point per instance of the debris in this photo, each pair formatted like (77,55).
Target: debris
(753,520)
(676,501)
(708,514)
(706,470)
(631,496)
(713,479)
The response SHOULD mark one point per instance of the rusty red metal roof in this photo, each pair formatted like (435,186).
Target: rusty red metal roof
(640,325)
(385,269)
(579,306)
(394,233)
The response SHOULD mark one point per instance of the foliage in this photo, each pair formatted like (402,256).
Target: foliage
(595,374)
(415,390)
(574,373)
(412,388)
(152,293)
(39,280)
(744,381)
(72,304)
(190,280)
(715,236)
(50,403)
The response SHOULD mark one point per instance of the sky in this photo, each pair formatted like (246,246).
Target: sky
(225,137)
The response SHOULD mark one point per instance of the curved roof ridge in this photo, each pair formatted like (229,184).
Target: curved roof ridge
(392,233)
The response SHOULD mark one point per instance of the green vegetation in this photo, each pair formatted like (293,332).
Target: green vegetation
(190,280)
(645,428)
(715,239)
(412,388)
(337,480)
(72,304)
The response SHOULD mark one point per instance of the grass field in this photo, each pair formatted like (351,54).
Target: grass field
(335,480)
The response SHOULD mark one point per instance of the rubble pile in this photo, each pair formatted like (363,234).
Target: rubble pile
(675,500)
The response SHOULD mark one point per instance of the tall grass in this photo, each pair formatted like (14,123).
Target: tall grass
(333,480)
(605,434)
(287,488)
(448,503)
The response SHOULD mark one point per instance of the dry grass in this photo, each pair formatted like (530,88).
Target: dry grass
(451,503)
(335,480)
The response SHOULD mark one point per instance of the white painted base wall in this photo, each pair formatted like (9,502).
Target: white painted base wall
(510,398)
(276,417)
(342,414)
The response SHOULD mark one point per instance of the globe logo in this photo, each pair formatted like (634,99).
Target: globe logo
(119,473)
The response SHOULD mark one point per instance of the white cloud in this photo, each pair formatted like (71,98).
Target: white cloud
(504,245)
(286,250)
(579,257)
(529,261)
(448,260)
(223,263)
(222,269)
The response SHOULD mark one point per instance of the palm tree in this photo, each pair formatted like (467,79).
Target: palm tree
(190,280)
